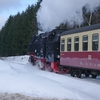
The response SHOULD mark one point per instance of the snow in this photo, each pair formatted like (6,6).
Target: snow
(17,75)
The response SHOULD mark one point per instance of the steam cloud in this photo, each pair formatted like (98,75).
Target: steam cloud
(54,12)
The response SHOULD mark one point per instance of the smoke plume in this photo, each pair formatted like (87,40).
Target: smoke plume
(54,12)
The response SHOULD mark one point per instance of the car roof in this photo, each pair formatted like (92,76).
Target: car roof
(82,29)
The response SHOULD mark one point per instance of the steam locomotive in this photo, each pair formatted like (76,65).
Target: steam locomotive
(75,51)
(44,50)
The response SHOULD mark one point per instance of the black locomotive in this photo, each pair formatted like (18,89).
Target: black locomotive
(44,50)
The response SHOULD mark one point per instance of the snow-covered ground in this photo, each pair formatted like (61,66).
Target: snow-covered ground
(17,75)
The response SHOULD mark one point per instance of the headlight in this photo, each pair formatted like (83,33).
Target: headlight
(35,50)
(58,56)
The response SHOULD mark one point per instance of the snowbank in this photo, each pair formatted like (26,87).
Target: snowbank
(17,96)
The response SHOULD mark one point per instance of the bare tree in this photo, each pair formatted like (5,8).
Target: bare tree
(88,20)
(87,13)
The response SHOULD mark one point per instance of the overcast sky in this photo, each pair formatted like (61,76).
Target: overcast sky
(12,7)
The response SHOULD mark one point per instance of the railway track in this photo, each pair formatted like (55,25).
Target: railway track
(87,79)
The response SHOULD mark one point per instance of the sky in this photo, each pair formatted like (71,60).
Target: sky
(12,7)
(17,75)
(54,13)
(51,13)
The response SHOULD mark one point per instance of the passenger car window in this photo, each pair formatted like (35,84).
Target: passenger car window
(76,44)
(95,41)
(69,44)
(85,43)
(62,44)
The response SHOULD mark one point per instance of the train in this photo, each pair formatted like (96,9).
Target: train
(75,52)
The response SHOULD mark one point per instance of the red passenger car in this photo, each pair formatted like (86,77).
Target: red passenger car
(80,51)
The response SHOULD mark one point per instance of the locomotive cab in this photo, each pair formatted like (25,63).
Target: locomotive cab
(53,46)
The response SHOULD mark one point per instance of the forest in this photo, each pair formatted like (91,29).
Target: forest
(18,30)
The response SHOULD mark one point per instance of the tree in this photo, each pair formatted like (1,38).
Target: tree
(17,32)
(90,15)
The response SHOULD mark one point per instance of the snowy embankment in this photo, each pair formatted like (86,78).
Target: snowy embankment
(18,78)
(16,96)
